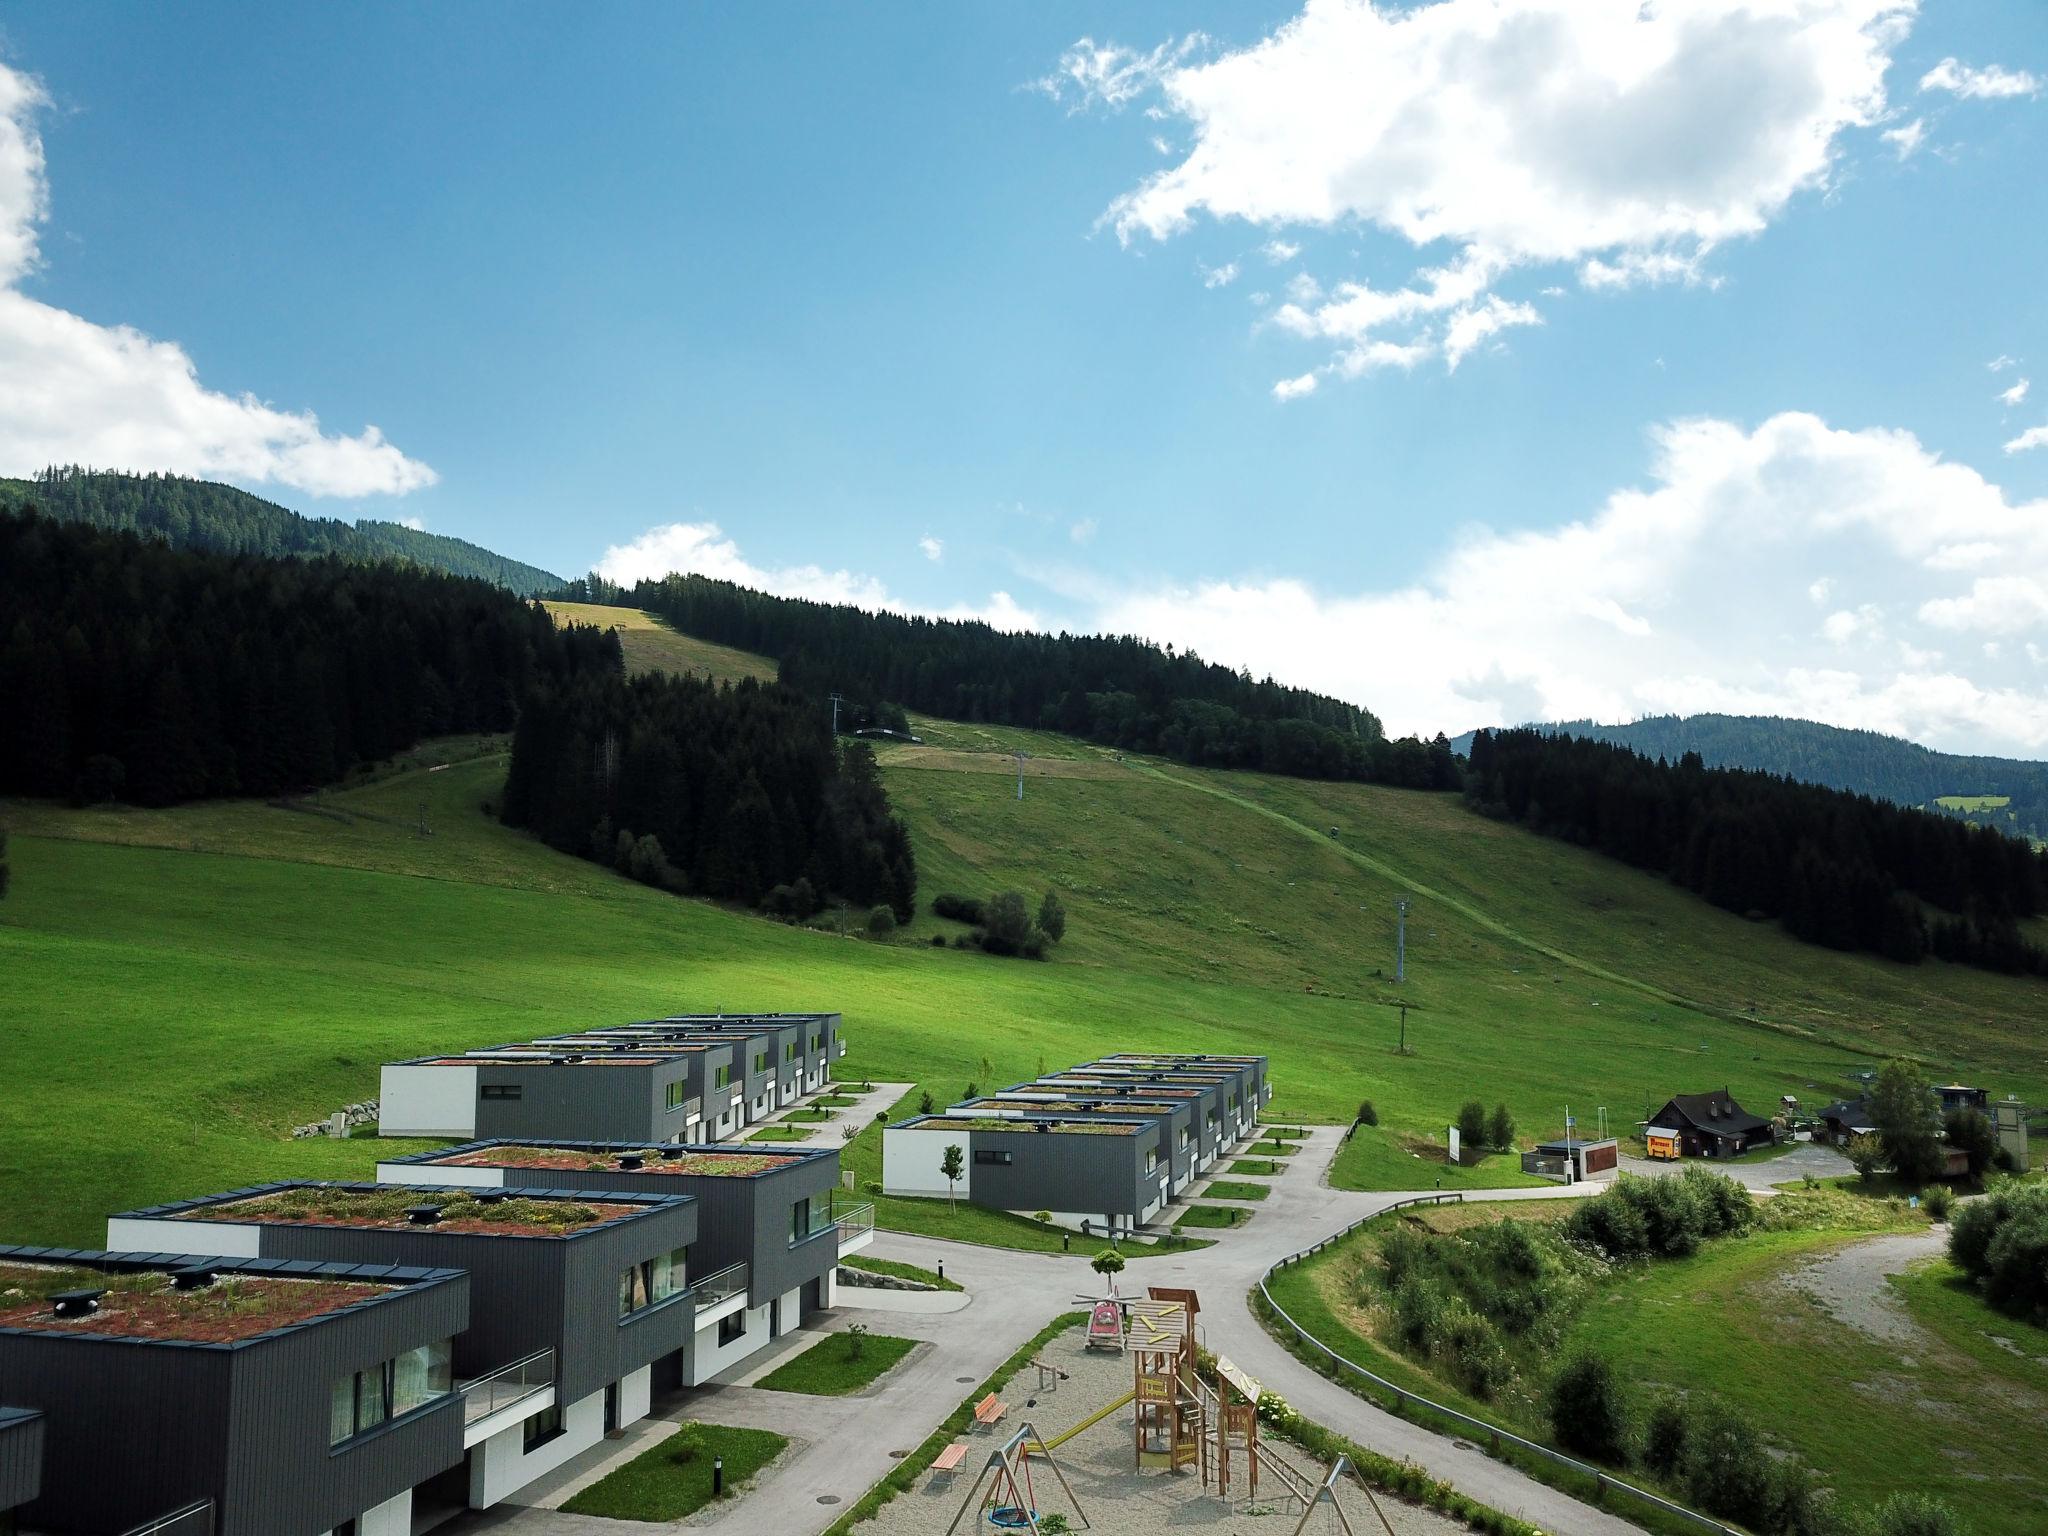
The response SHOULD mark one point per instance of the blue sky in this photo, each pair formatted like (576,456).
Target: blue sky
(906,304)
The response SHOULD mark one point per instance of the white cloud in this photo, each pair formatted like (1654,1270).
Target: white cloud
(1628,140)
(1295,388)
(1907,138)
(75,392)
(416,523)
(2033,437)
(2002,362)
(1474,323)
(1082,532)
(1218,277)
(2017,393)
(1990,83)
(933,548)
(1697,572)
(1280,252)
(1109,75)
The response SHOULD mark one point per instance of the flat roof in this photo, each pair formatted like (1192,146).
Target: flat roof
(508,1212)
(593,1156)
(1058,1124)
(138,1298)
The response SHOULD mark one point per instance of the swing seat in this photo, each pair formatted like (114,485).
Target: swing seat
(1010,1518)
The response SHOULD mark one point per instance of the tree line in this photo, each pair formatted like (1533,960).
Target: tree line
(1116,690)
(1837,869)
(200,514)
(732,791)
(132,670)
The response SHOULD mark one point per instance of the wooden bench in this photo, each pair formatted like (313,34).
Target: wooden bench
(989,1412)
(948,1461)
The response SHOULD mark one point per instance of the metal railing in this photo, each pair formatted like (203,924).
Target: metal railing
(721,1285)
(854,1221)
(1495,1437)
(506,1385)
(192,1520)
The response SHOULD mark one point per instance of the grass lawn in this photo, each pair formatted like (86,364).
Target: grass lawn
(1213,1216)
(901,1271)
(1728,1321)
(780,1132)
(1227,1189)
(651,646)
(1272,1149)
(811,1114)
(1377,1158)
(656,1486)
(1257,1168)
(838,1364)
(832,1101)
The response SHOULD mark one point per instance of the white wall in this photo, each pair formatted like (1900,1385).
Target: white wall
(427,1101)
(636,1395)
(910,1161)
(499,1467)
(708,1357)
(391,1518)
(430,1173)
(151,1234)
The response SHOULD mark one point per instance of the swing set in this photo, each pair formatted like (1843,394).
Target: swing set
(1006,1494)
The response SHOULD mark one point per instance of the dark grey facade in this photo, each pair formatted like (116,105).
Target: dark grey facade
(136,1429)
(21,1457)
(752,1219)
(619,1100)
(527,1292)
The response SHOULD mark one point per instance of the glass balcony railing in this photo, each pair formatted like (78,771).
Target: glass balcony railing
(506,1385)
(854,1221)
(816,1223)
(721,1285)
(192,1520)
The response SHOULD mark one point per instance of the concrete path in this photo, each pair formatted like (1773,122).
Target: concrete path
(852,1442)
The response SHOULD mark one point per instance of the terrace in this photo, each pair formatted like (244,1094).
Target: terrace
(193,1305)
(484,1212)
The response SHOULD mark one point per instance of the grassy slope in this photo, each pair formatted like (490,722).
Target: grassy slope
(651,644)
(186,985)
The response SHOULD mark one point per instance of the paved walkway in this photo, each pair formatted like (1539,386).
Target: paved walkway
(849,1441)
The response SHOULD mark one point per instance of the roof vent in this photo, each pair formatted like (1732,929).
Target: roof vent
(488,1197)
(76,1303)
(193,1277)
(423,1215)
(632,1162)
(672,1152)
(1043,1125)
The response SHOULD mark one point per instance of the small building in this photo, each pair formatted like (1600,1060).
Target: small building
(1846,1119)
(1573,1161)
(769,1234)
(246,1396)
(574,1296)
(2009,1121)
(1955,1096)
(1711,1125)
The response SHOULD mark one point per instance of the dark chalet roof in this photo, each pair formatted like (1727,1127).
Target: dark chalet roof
(1716,1113)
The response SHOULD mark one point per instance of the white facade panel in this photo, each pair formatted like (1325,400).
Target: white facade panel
(426,1101)
(502,1465)
(911,1158)
(155,1234)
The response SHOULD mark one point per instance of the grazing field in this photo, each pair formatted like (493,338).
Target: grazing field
(652,646)
(1973,802)
(1746,1321)
(186,985)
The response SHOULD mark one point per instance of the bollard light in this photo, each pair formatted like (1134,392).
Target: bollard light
(717,1476)
(942,1269)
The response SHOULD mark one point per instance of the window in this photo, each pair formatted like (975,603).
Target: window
(817,1044)
(499,1091)
(1152,1161)
(761,1061)
(722,1078)
(733,1327)
(541,1428)
(368,1398)
(995,1159)
(800,1220)
(791,1051)
(677,1092)
(650,1282)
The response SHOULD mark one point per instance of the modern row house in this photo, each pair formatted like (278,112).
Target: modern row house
(575,1299)
(688,1079)
(1101,1147)
(234,1396)
(769,1241)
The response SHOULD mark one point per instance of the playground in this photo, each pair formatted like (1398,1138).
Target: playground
(1063,1439)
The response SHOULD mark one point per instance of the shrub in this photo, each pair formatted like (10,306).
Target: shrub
(938,941)
(1971,1130)
(1367,1115)
(1914,1514)
(2016,1263)
(1471,1127)
(924,1102)
(1726,1467)
(688,1446)
(1005,923)
(881,923)
(962,909)
(1936,1202)
(1866,1156)
(1052,917)
(1664,1436)
(1588,1410)
(1500,1128)
(1662,1217)
(871,1186)
(1466,1346)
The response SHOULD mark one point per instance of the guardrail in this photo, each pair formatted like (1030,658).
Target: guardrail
(507,1385)
(192,1520)
(855,1220)
(1493,1434)
(721,1284)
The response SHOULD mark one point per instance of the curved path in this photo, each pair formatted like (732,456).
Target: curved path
(847,1442)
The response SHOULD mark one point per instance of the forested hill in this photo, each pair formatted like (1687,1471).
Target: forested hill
(200,514)
(1116,690)
(1863,762)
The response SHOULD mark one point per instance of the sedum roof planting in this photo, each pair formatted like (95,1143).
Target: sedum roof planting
(147,1306)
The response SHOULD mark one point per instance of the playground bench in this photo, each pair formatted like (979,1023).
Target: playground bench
(948,1461)
(989,1411)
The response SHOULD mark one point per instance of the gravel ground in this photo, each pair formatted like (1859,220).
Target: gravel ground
(1116,1497)
(1850,1283)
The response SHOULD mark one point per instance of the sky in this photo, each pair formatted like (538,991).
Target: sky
(1476,361)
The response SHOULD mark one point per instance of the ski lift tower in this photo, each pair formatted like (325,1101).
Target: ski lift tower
(1022,756)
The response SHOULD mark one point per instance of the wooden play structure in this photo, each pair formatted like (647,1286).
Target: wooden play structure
(1005,1494)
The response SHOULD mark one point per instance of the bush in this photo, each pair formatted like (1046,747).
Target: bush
(1664,1436)
(1052,917)
(2001,1243)
(1936,1202)
(881,923)
(962,909)
(795,901)
(1588,1411)
(1726,1467)
(1005,924)
(688,1446)
(938,941)
(1367,1115)
(1662,1217)
(1971,1130)
(1866,1156)
(1914,1514)
(924,1102)
(1471,1127)
(1500,1128)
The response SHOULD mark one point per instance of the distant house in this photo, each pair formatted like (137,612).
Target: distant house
(1710,1125)
(1956,1096)
(1846,1118)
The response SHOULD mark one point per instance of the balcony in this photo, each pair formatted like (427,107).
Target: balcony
(856,1225)
(816,1224)
(487,1396)
(192,1520)
(721,1285)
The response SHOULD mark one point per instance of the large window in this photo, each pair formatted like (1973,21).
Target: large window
(791,1051)
(732,1327)
(722,1078)
(677,1094)
(761,1061)
(540,1428)
(800,1220)
(651,1282)
(365,1399)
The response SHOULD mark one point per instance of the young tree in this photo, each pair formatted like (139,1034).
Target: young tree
(1588,1411)
(1471,1127)
(881,923)
(1005,924)
(1500,1128)
(1866,1155)
(1109,1264)
(1969,1129)
(924,1102)
(952,1165)
(1052,917)
(1908,1121)
(1366,1115)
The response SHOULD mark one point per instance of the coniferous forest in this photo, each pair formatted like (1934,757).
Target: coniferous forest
(139,672)
(733,791)
(1834,868)
(1119,691)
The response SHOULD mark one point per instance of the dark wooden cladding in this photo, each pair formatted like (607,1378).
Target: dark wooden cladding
(21,1456)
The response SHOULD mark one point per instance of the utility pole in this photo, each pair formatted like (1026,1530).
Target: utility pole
(1400,941)
(835,716)
(1021,756)
(1404,1031)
